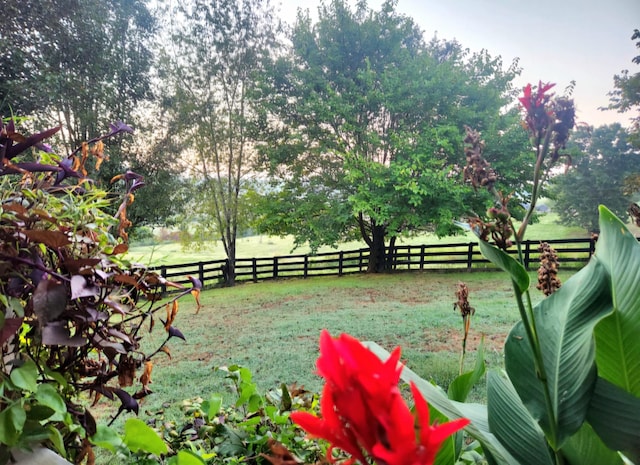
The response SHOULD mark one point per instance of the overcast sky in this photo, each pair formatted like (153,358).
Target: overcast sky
(556,40)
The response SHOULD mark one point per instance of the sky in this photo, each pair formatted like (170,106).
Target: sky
(586,41)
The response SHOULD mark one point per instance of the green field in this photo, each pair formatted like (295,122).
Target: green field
(273,329)
(171,253)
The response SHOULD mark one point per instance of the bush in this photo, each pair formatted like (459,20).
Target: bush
(72,312)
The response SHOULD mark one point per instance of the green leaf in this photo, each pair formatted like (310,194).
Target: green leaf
(33,432)
(25,376)
(39,412)
(617,340)
(286,398)
(107,438)
(188,458)
(565,322)
(140,436)
(215,402)
(507,263)
(512,424)
(461,386)
(586,448)
(435,396)
(55,436)
(615,416)
(447,453)
(48,395)
(12,420)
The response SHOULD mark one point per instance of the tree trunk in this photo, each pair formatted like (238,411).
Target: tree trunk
(230,278)
(377,250)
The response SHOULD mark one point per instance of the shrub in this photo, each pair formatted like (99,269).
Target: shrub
(72,312)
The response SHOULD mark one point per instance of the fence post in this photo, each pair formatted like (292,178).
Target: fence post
(527,254)
(254,269)
(163,273)
(470,256)
(340,262)
(275,267)
(306,266)
(592,245)
(422,249)
(201,272)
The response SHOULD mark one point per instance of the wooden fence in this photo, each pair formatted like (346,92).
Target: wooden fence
(573,253)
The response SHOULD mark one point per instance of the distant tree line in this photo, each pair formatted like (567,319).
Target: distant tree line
(349,126)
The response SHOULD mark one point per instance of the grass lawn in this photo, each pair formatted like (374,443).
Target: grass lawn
(273,328)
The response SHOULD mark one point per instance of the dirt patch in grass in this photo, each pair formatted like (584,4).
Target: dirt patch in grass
(450,340)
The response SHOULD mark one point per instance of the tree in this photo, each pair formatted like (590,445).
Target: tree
(83,65)
(367,121)
(626,95)
(221,50)
(602,159)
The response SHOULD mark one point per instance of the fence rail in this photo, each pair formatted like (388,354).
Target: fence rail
(572,253)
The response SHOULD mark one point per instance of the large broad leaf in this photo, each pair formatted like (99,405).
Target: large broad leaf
(139,436)
(506,263)
(618,336)
(615,416)
(564,323)
(496,453)
(512,424)
(447,453)
(586,448)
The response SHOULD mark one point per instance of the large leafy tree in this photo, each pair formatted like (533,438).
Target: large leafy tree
(83,65)
(626,95)
(221,50)
(80,64)
(367,122)
(603,158)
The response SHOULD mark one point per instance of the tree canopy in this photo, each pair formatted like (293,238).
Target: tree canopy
(366,127)
(626,93)
(603,158)
(214,106)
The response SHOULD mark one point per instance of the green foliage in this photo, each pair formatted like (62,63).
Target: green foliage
(367,122)
(71,309)
(246,429)
(602,160)
(626,95)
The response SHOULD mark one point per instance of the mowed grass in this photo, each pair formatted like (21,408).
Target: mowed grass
(172,253)
(273,329)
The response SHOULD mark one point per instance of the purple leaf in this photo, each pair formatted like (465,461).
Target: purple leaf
(118,127)
(57,334)
(81,288)
(13,150)
(175,332)
(49,300)
(129,404)
(9,329)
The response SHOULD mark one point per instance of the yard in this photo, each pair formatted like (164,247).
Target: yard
(272,328)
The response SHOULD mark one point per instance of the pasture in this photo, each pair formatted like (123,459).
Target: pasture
(273,329)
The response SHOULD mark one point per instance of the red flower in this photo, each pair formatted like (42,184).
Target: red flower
(538,116)
(363,412)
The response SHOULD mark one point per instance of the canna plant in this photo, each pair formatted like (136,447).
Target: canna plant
(570,391)
(72,311)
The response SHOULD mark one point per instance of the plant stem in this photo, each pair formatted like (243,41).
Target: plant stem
(541,153)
